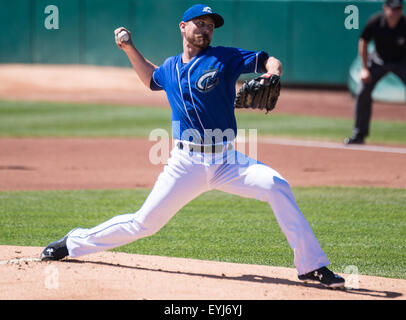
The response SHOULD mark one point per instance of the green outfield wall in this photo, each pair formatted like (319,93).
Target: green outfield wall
(309,37)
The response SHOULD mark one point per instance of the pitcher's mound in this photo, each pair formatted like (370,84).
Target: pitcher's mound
(113,275)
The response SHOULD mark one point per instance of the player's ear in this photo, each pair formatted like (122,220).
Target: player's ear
(182,26)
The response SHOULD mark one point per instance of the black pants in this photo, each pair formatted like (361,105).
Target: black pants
(363,101)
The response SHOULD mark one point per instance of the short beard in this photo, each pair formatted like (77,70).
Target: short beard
(197,43)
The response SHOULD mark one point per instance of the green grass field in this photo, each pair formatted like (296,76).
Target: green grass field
(364,227)
(40,119)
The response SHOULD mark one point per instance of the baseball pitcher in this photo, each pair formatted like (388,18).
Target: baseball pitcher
(200,86)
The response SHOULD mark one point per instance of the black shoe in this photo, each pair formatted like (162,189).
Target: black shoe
(323,276)
(354,140)
(55,251)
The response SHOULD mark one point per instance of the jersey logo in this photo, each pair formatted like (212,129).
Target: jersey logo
(207,80)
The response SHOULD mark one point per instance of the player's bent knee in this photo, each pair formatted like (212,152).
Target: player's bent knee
(281,184)
(278,185)
(270,186)
(269,179)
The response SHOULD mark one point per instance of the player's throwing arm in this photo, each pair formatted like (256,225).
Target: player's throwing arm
(142,66)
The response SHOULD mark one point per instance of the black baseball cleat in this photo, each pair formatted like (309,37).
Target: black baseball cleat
(323,276)
(55,251)
(354,140)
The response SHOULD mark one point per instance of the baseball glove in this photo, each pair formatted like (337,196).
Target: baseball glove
(259,93)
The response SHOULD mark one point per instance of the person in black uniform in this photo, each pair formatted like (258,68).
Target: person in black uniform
(388,30)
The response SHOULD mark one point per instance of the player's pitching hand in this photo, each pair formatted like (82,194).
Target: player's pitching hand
(123,38)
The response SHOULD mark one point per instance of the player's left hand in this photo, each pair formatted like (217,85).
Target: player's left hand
(273,78)
(259,93)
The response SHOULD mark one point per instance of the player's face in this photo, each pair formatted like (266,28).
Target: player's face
(198,32)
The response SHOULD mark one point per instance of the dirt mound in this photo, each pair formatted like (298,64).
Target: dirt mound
(113,275)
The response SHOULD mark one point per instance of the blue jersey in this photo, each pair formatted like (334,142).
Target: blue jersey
(201,93)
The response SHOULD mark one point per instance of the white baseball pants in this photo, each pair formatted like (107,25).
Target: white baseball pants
(186,176)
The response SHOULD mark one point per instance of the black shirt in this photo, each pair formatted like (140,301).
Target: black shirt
(390,44)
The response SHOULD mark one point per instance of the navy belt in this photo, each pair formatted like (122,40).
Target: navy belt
(214,148)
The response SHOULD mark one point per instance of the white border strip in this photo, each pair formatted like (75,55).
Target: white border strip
(332,145)
(191,94)
(181,95)
(256,62)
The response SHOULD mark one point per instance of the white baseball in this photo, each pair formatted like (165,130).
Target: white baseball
(123,36)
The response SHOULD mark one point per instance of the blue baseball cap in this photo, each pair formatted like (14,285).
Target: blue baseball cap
(199,10)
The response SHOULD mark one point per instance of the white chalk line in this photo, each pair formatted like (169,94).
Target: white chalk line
(332,145)
(18,261)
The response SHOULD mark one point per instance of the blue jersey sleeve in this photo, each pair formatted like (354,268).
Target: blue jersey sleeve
(247,61)
(161,74)
(157,78)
